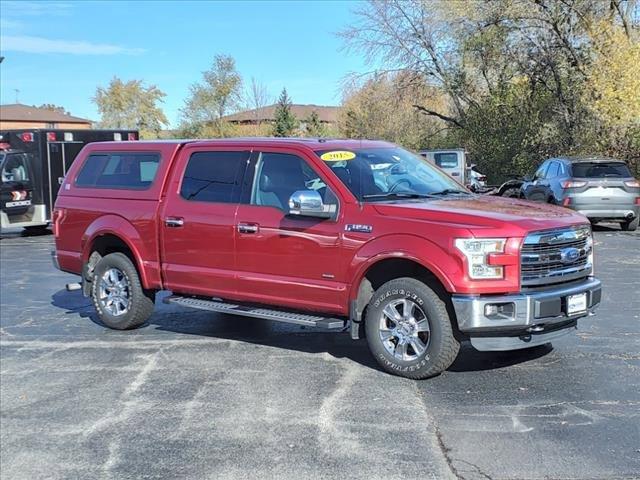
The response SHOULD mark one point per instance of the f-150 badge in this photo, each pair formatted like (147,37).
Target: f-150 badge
(356,227)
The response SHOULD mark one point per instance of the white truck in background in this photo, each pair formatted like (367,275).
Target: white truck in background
(454,162)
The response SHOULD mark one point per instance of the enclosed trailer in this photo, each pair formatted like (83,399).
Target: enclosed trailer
(33,162)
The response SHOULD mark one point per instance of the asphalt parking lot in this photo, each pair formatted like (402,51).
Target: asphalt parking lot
(200,395)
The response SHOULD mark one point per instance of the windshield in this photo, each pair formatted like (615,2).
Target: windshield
(600,169)
(15,167)
(379,173)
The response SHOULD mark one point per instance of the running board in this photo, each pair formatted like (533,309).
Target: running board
(256,312)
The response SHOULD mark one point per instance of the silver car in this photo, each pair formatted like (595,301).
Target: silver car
(602,189)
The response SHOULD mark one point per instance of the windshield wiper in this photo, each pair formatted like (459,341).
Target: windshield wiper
(393,195)
(450,191)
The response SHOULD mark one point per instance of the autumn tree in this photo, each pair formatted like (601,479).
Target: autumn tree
(54,108)
(521,79)
(131,105)
(383,108)
(218,94)
(285,122)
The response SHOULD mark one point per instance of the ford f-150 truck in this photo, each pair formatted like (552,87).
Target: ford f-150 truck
(338,234)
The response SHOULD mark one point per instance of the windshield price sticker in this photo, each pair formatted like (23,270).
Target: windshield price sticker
(337,156)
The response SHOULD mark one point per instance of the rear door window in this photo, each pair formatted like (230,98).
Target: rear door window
(600,169)
(15,168)
(120,170)
(213,176)
(553,170)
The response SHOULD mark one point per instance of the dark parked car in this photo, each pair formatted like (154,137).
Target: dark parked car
(599,188)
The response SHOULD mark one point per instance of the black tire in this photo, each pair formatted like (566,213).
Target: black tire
(141,302)
(442,347)
(630,226)
(512,192)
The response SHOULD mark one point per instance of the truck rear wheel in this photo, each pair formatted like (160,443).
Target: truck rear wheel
(409,331)
(117,293)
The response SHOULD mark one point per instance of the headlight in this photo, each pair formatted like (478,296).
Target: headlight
(477,251)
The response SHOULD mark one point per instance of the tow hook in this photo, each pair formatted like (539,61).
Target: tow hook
(532,329)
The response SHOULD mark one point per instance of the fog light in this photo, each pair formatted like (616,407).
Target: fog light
(500,311)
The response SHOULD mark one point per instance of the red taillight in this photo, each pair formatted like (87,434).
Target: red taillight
(632,183)
(51,136)
(637,200)
(27,136)
(566,201)
(131,136)
(482,178)
(573,184)
(5,146)
(55,219)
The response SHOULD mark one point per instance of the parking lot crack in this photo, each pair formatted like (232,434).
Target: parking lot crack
(445,451)
(330,432)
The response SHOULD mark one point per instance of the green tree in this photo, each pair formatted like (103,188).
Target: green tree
(131,105)
(285,123)
(218,94)
(313,127)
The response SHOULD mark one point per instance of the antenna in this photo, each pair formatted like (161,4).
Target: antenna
(17,95)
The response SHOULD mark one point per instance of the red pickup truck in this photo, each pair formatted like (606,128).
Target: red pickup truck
(339,234)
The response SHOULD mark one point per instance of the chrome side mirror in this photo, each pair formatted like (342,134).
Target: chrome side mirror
(308,203)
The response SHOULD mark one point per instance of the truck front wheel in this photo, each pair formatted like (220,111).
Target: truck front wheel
(117,293)
(408,330)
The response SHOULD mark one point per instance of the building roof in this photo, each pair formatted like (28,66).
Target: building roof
(24,113)
(267,114)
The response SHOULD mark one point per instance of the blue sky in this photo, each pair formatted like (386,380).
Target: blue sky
(59,52)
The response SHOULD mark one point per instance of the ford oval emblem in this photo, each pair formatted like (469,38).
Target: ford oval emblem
(569,255)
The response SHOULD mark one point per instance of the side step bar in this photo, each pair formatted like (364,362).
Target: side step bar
(257,312)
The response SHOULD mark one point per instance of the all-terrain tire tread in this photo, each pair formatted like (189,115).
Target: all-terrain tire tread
(449,345)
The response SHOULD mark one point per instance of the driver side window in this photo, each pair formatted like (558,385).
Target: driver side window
(279,175)
(540,173)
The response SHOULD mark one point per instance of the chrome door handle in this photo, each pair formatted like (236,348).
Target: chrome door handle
(248,228)
(174,222)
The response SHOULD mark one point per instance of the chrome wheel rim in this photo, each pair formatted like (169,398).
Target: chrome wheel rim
(115,292)
(404,330)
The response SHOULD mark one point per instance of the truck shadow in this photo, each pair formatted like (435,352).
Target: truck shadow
(280,335)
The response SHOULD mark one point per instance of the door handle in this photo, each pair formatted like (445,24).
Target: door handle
(174,222)
(248,228)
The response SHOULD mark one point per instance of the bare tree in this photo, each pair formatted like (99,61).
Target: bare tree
(257,97)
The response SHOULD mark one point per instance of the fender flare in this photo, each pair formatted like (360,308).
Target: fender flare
(372,255)
(122,229)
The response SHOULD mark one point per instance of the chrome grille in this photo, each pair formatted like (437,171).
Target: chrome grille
(556,256)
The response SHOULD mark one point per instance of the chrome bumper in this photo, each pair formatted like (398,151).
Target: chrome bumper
(538,316)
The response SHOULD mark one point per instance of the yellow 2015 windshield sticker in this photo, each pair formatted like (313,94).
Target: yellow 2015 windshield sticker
(337,156)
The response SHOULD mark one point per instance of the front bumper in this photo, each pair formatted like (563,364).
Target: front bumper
(538,316)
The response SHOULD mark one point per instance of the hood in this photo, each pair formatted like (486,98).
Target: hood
(484,211)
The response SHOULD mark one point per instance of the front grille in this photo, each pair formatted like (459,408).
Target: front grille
(556,256)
